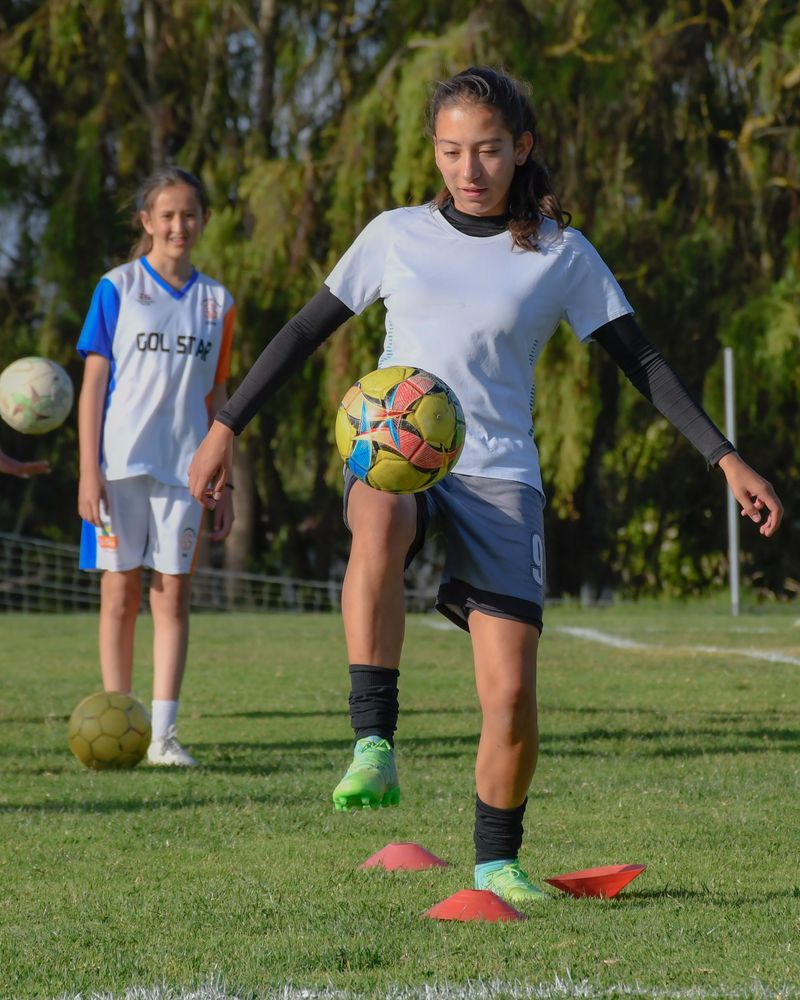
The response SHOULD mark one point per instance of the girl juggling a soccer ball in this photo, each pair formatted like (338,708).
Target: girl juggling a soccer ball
(474,285)
(157,344)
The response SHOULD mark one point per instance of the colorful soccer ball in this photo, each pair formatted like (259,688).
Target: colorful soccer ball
(400,429)
(109,730)
(35,395)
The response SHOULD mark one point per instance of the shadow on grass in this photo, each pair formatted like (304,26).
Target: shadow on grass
(338,713)
(132,805)
(675,742)
(266,713)
(260,759)
(713,897)
(711,715)
(33,719)
(304,754)
(265,758)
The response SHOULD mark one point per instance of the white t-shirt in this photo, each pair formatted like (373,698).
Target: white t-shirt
(477,312)
(168,348)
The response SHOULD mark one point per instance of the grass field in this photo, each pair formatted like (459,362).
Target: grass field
(239,880)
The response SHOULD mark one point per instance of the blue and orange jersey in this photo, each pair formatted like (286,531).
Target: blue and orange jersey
(167,350)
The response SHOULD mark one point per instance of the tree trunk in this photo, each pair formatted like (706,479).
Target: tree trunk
(239,543)
(267,11)
(150,43)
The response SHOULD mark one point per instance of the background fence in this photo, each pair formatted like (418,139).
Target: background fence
(38,575)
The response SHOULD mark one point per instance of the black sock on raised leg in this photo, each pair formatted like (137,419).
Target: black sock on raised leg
(373,701)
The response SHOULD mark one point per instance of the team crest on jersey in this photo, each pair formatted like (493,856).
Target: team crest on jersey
(187,542)
(145,299)
(210,310)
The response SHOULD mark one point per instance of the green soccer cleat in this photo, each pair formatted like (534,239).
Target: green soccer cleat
(371,780)
(510,883)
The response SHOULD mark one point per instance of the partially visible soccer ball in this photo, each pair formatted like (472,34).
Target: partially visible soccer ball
(109,729)
(35,395)
(400,429)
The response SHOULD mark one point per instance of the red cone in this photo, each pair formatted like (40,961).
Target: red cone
(605,882)
(406,857)
(473,904)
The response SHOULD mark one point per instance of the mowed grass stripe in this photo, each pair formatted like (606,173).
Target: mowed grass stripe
(240,870)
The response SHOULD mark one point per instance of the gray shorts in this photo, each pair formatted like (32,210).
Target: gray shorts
(494,546)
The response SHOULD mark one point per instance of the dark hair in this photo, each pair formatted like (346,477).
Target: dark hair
(146,195)
(531,195)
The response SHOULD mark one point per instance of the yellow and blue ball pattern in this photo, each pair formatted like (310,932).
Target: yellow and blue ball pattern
(400,429)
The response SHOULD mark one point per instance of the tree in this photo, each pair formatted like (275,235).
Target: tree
(672,134)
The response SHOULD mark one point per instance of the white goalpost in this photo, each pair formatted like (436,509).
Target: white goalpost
(733,514)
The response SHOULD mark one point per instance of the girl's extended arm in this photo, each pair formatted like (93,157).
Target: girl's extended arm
(14,467)
(284,354)
(91,488)
(646,369)
(223,512)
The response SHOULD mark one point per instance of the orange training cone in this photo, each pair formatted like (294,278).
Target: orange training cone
(474,904)
(605,882)
(404,857)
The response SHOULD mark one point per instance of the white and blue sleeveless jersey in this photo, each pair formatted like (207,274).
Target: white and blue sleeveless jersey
(167,350)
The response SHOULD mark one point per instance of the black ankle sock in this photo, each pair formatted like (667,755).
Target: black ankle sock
(498,832)
(373,701)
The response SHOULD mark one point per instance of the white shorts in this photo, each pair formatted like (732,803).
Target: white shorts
(147,524)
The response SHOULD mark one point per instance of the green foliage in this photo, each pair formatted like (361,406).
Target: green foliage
(414,178)
(673,135)
(566,408)
(766,332)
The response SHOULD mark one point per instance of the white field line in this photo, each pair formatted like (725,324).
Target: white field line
(753,654)
(437,623)
(620,642)
(472,990)
(593,635)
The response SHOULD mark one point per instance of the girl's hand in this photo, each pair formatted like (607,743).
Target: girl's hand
(22,469)
(223,516)
(753,493)
(91,493)
(211,466)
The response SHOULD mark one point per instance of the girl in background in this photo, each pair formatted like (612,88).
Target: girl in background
(157,347)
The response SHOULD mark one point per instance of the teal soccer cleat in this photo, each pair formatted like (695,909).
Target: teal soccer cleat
(371,780)
(509,882)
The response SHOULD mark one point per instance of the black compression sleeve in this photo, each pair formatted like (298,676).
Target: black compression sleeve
(283,356)
(647,370)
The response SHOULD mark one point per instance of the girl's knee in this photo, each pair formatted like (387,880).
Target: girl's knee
(387,526)
(514,702)
(170,596)
(121,594)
